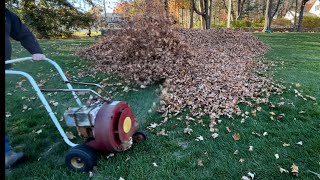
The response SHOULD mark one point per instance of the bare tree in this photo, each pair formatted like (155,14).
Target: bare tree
(303,3)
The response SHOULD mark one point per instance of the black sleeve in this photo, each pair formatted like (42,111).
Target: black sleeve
(21,33)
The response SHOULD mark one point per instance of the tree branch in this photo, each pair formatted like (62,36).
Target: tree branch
(275,11)
(196,10)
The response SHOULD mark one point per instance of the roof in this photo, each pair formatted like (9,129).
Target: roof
(309,5)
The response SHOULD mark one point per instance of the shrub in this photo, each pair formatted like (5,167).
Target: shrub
(281,22)
(311,22)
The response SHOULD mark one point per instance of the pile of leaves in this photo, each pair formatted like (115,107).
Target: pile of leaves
(208,71)
(145,51)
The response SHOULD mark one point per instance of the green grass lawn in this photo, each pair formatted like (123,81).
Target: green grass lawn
(297,65)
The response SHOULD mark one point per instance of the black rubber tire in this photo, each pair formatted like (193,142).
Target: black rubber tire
(81,158)
(139,137)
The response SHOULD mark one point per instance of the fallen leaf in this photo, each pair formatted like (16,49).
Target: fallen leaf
(215,135)
(311,97)
(200,163)
(228,129)
(121,178)
(236,136)
(302,112)
(70,135)
(236,152)
(265,134)
(8,114)
(283,170)
(153,125)
(277,156)
(110,155)
(241,160)
(299,143)
(285,145)
(250,148)
(294,170)
(199,138)
(245,178)
(90,174)
(251,175)
(39,131)
(154,164)
(162,133)
(272,113)
(142,86)
(297,85)
(187,130)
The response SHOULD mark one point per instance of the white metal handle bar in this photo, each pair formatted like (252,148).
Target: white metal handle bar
(44,102)
(64,78)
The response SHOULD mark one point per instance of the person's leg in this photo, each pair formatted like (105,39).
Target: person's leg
(8,147)
(11,158)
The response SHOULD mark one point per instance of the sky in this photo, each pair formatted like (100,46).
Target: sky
(110,4)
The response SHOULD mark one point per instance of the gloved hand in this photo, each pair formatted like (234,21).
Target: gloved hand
(38,57)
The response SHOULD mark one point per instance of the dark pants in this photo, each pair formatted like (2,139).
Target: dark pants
(8,147)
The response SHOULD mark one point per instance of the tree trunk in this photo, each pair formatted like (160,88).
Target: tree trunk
(166,7)
(203,19)
(229,13)
(206,7)
(303,3)
(210,14)
(269,15)
(191,14)
(266,19)
(295,17)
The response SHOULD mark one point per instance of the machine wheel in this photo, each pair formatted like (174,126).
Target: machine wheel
(139,137)
(81,158)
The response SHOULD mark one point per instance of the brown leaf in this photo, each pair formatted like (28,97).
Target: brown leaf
(236,136)
(295,170)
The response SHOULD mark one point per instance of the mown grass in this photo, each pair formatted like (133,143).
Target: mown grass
(177,154)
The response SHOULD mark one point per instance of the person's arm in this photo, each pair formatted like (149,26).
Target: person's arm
(21,33)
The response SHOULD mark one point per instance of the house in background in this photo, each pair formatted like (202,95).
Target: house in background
(312,8)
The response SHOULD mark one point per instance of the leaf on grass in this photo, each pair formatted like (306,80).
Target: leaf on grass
(311,97)
(199,138)
(228,129)
(277,156)
(187,130)
(252,175)
(153,125)
(215,135)
(299,143)
(25,107)
(241,160)
(38,132)
(283,170)
(285,145)
(294,170)
(162,133)
(302,112)
(245,178)
(90,174)
(121,178)
(200,163)
(110,155)
(265,133)
(155,164)
(250,148)
(272,113)
(236,152)
(236,136)
(70,135)
(8,114)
